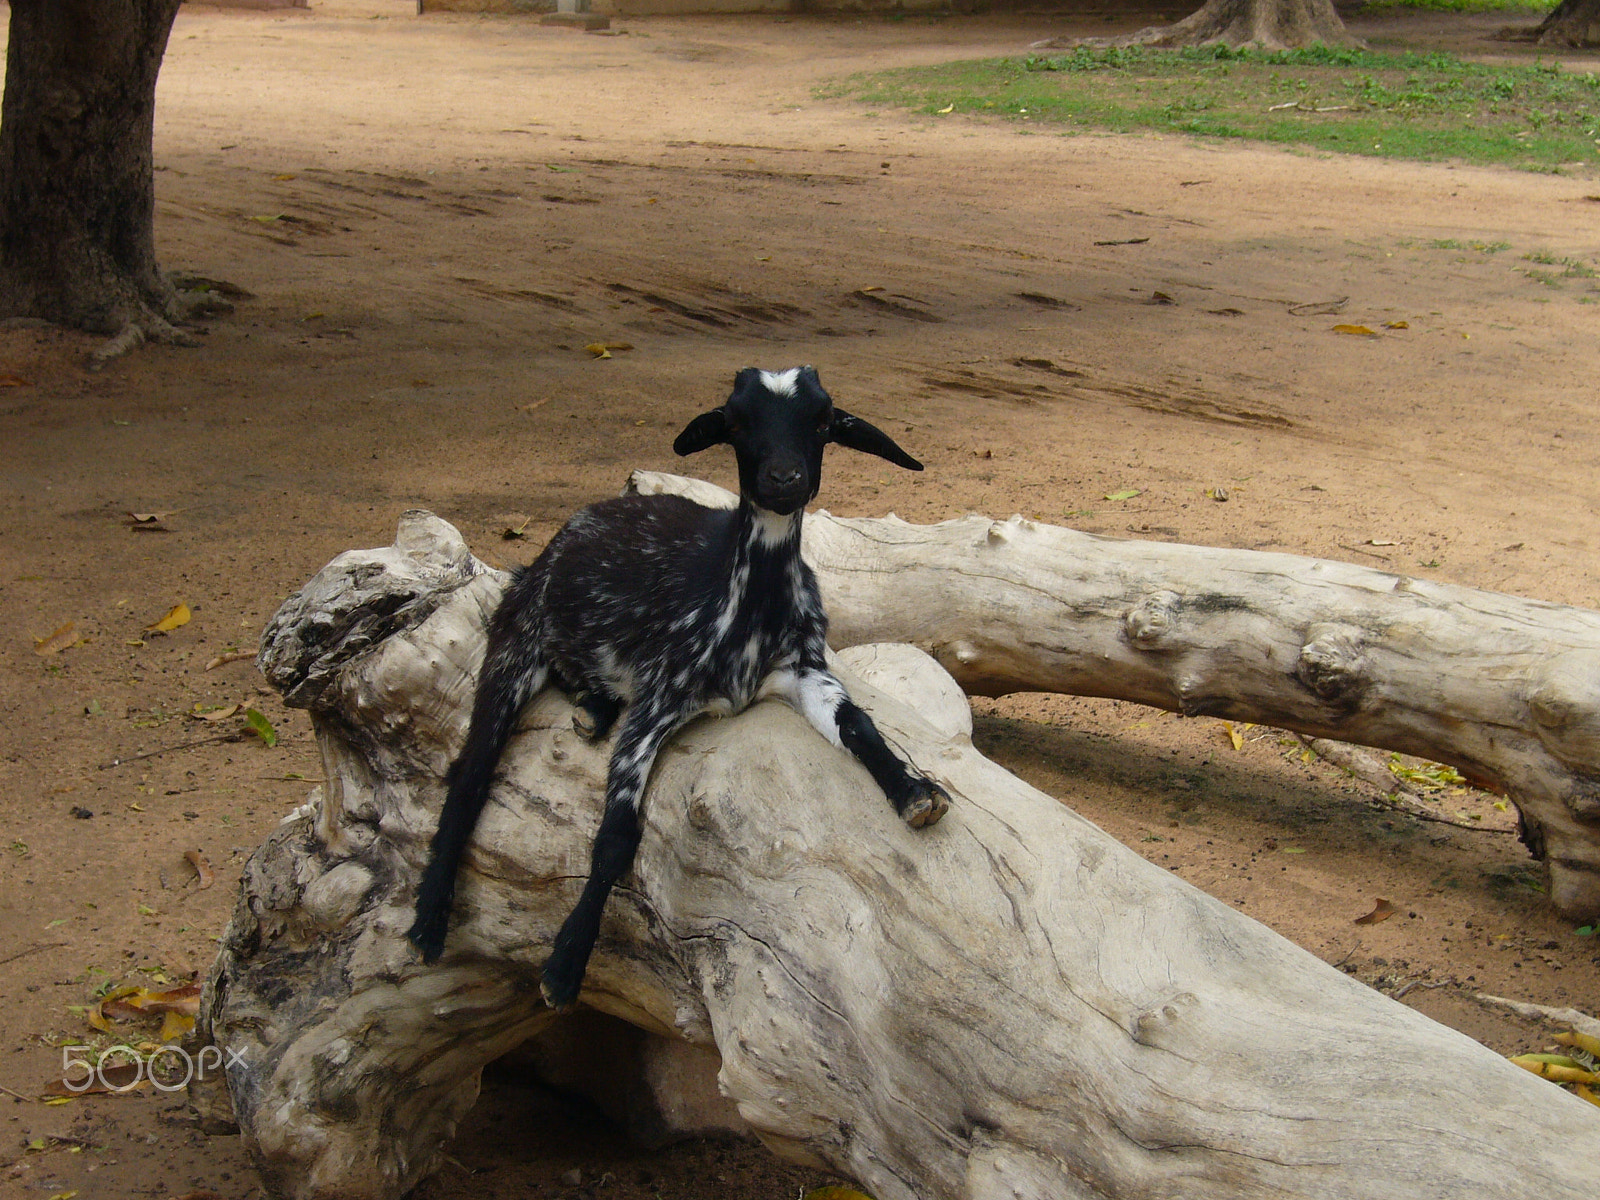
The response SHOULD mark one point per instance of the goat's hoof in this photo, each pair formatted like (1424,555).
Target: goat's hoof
(928,803)
(427,935)
(559,996)
(583,724)
(559,983)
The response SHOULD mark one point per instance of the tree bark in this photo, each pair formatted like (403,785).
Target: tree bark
(1504,689)
(1267,24)
(77,191)
(1008,1005)
(1574,23)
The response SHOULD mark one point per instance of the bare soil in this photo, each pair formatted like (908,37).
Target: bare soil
(436,215)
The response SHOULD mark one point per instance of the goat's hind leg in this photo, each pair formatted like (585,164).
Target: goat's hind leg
(615,845)
(514,669)
(597,711)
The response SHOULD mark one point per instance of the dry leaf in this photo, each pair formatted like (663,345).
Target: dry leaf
(604,349)
(946,109)
(62,639)
(217,714)
(1233,735)
(177,615)
(1355,330)
(1319,308)
(1381,911)
(202,869)
(10,380)
(1397,325)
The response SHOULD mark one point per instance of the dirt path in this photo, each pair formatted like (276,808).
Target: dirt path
(436,215)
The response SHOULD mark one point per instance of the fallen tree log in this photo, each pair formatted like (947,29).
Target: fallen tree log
(1010,1004)
(1504,689)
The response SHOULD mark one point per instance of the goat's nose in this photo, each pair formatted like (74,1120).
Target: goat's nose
(783,477)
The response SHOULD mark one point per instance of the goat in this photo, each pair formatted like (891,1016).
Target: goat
(668,609)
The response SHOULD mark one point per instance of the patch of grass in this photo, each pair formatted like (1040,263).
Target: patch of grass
(1411,106)
(1479,247)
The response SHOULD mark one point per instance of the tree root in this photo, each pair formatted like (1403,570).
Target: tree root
(1263,24)
(150,327)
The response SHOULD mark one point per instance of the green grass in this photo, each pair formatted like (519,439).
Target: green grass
(1413,106)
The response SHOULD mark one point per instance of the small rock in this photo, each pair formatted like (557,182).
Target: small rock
(573,1177)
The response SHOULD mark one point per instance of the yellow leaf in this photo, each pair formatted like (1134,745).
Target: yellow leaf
(1357,330)
(177,615)
(598,350)
(1397,325)
(947,108)
(174,1025)
(1233,735)
(59,1100)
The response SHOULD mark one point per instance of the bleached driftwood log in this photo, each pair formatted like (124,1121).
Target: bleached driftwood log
(1008,1005)
(1504,689)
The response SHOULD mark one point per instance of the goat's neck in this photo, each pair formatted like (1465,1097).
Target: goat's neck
(764,540)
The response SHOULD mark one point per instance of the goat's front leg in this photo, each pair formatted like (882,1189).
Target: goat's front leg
(643,731)
(815,693)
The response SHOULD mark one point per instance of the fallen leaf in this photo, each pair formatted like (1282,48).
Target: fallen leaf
(604,349)
(62,639)
(1124,242)
(9,380)
(1356,330)
(269,219)
(1219,494)
(1397,325)
(202,869)
(946,109)
(1226,312)
(283,178)
(175,1024)
(512,532)
(1233,735)
(260,726)
(1160,298)
(214,713)
(1381,911)
(1380,542)
(177,615)
(1125,494)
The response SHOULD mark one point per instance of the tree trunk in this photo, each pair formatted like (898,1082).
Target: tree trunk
(77,193)
(1573,23)
(1268,24)
(1507,690)
(1008,1005)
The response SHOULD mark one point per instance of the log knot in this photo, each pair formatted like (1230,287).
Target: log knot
(1564,702)
(1157,1026)
(1333,665)
(1149,624)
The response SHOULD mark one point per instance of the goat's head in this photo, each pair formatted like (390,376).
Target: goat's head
(777,423)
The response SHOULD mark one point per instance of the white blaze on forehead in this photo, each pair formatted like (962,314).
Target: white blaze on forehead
(781,383)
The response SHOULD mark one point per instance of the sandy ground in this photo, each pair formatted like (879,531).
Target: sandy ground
(435,216)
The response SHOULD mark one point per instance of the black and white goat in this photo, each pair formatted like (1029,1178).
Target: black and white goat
(657,609)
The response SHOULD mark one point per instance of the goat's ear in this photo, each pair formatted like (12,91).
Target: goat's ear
(869,439)
(707,430)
